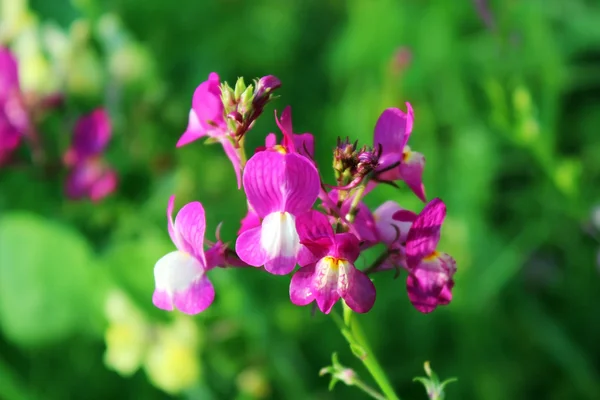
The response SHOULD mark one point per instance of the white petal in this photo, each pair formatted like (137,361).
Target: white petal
(279,237)
(176,271)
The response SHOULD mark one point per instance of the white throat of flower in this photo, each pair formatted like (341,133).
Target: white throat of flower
(176,271)
(278,237)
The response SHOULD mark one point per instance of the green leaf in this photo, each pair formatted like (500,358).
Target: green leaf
(48,282)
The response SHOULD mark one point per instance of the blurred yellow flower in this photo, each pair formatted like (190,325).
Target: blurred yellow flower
(169,353)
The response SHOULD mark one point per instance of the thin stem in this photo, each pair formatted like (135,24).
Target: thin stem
(377,263)
(369,390)
(354,335)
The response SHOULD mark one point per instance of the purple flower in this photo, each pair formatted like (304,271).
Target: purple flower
(251,220)
(91,136)
(92,179)
(391,230)
(180,276)
(332,275)
(363,226)
(206,119)
(14,120)
(429,281)
(279,187)
(392,131)
(291,142)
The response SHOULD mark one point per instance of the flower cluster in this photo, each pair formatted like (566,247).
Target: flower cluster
(89,175)
(294,219)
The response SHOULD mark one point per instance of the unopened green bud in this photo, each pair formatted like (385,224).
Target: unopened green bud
(240,87)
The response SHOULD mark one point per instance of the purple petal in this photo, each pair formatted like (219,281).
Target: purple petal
(9,77)
(207,102)
(358,291)
(194,130)
(347,247)
(92,179)
(393,129)
(364,223)
(248,248)
(91,135)
(285,125)
(190,226)
(105,185)
(280,182)
(411,171)
(271,140)
(424,233)
(251,220)
(196,298)
(325,284)
(385,162)
(389,229)
(430,282)
(313,225)
(305,144)
(234,156)
(281,264)
(300,286)
(180,282)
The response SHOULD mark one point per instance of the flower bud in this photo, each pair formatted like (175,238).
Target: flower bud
(240,87)
(264,87)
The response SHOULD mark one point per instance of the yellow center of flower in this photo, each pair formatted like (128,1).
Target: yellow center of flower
(280,149)
(432,256)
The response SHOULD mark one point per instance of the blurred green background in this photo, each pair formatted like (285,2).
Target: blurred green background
(507,113)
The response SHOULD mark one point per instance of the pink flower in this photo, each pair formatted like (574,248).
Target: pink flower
(392,131)
(364,226)
(279,187)
(180,276)
(91,178)
(332,275)
(91,136)
(429,281)
(206,119)
(14,120)
(251,220)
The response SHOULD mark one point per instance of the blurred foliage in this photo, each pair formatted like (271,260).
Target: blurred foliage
(506,114)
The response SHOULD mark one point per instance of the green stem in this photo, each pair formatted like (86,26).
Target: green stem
(354,335)
(369,390)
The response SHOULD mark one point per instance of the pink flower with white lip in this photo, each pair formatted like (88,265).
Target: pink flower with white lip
(90,137)
(180,276)
(392,131)
(429,281)
(391,230)
(206,119)
(332,274)
(279,187)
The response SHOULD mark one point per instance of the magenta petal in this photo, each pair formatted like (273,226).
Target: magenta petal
(305,144)
(300,286)
(313,226)
(271,140)
(248,248)
(285,125)
(364,223)
(281,265)
(251,220)
(390,229)
(424,233)
(385,170)
(190,226)
(104,185)
(193,132)
(162,300)
(234,156)
(9,78)
(411,171)
(280,182)
(91,134)
(196,298)
(207,102)
(359,292)
(393,129)
(347,247)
